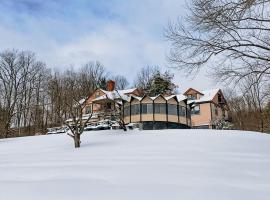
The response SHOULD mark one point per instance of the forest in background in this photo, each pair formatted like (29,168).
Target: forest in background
(33,97)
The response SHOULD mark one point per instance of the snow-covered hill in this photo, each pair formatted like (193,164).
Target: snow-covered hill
(137,165)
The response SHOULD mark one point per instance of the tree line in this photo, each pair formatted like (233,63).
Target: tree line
(33,97)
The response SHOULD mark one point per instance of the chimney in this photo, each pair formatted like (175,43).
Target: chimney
(110,85)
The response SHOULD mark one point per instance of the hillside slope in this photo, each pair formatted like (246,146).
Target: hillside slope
(138,165)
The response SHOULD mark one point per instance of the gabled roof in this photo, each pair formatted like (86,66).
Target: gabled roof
(121,92)
(155,97)
(178,97)
(134,97)
(146,96)
(208,95)
(181,97)
(115,95)
(193,90)
(127,91)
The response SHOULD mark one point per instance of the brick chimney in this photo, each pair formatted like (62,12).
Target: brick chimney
(110,85)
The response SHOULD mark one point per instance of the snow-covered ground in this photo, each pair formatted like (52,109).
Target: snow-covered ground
(137,165)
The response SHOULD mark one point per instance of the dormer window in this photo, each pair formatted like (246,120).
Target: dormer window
(192,96)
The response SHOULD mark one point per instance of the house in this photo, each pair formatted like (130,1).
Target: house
(207,107)
(193,109)
(103,103)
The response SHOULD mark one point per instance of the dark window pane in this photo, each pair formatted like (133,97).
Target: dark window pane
(195,110)
(126,111)
(147,108)
(182,111)
(135,109)
(172,109)
(160,108)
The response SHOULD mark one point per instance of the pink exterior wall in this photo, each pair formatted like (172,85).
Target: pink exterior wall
(204,117)
(96,107)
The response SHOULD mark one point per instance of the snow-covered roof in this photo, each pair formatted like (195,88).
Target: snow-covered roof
(208,95)
(121,92)
(153,98)
(114,95)
(82,101)
(84,117)
(136,97)
(127,91)
(181,97)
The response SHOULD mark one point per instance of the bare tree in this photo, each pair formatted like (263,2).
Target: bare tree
(248,105)
(230,36)
(19,71)
(120,82)
(73,94)
(144,77)
(93,76)
(256,96)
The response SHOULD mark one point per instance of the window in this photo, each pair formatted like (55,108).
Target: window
(88,109)
(135,109)
(126,111)
(195,110)
(182,111)
(160,108)
(97,94)
(172,109)
(191,96)
(147,108)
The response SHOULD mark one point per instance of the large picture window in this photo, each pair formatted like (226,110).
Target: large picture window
(147,108)
(135,109)
(160,108)
(172,109)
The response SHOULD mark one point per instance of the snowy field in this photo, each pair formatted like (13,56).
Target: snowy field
(137,165)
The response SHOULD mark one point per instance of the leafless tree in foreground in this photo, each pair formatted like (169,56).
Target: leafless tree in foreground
(74,96)
(230,36)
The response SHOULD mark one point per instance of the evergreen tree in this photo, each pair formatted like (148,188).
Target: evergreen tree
(161,83)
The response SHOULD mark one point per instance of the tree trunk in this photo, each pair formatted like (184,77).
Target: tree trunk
(77,140)
(6,131)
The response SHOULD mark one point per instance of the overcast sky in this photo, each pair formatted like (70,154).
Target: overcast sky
(124,35)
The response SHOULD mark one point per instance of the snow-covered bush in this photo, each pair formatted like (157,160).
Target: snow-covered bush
(222,124)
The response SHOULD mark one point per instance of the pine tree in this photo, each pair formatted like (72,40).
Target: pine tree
(161,83)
